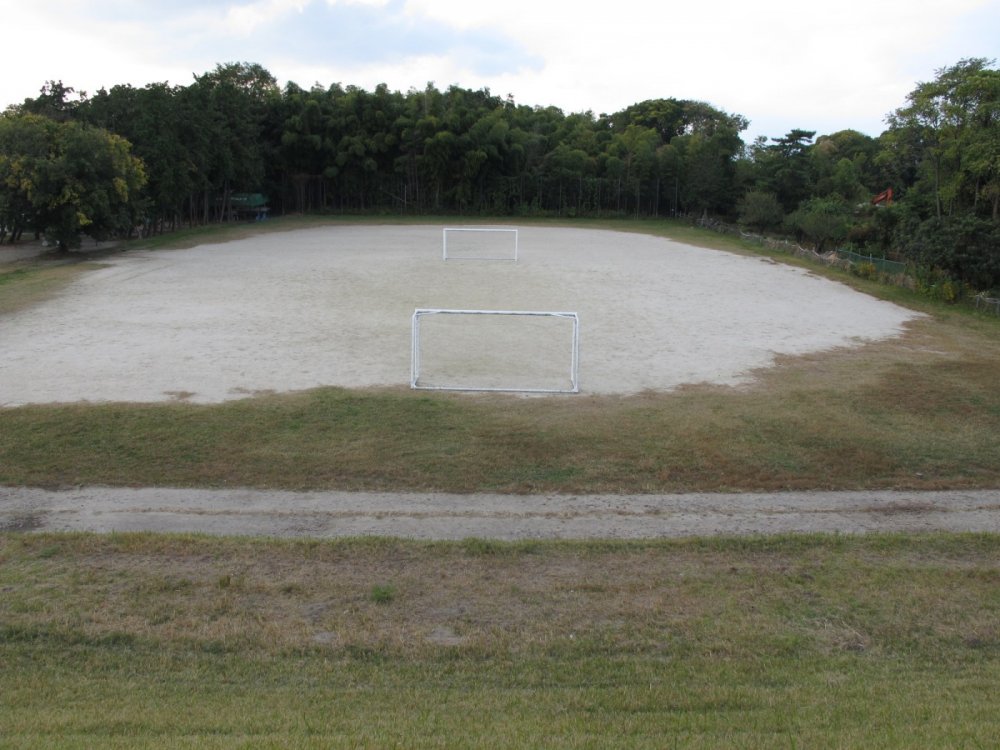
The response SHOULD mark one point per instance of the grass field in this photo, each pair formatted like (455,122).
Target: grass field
(146,641)
(810,641)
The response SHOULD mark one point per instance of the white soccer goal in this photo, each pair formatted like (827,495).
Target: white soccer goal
(495,350)
(479,243)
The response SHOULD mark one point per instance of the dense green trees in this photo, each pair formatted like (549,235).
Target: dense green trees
(943,151)
(940,155)
(473,152)
(64,178)
(232,130)
(200,143)
(947,141)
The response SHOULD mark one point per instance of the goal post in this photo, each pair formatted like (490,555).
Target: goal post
(495,350)
(479,243)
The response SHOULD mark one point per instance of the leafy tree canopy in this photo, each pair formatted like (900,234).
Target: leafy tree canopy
(64,178)
(233,130)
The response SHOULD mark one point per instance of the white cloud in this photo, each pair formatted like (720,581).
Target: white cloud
(855,59)
(84,52)
(783,65)
(245,19)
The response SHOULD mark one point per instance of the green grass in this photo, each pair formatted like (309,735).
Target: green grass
(129,640)
(26,284)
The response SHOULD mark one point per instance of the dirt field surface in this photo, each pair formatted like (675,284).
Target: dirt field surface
(333,306)
(430,516)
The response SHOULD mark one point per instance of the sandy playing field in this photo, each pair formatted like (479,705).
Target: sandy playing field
(333,306)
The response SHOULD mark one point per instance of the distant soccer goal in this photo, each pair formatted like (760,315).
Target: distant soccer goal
(479,243)
(495,350)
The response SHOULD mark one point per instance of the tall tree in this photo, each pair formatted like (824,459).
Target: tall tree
(67,178)
(55,101)
(26,145)
(944,146)
(949,130)
(230,106)
(843,164)
(152,119)
(785,169)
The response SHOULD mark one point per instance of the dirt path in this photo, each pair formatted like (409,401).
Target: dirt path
(508,517)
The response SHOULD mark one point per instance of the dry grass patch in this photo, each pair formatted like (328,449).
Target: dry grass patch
(128,640)
(383,594)
(23,285)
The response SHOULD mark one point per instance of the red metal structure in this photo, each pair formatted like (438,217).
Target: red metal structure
(884,197)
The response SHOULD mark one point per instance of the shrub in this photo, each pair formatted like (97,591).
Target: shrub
(821,221)
(760,210)
(865,269)
(965,248)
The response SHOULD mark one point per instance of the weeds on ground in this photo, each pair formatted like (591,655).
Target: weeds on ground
(883,641)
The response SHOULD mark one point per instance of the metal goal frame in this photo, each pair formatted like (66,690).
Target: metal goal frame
(444,243)
(574,364)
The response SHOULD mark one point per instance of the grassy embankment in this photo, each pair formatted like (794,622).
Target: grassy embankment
(146,641)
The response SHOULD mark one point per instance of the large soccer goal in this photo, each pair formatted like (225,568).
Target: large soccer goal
(479,243)
(495,350)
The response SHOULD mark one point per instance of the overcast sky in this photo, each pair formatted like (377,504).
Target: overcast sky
(781,63)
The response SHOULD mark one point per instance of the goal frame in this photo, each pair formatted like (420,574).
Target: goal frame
(574,364)
(507,230)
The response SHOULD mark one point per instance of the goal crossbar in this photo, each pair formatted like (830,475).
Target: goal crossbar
(574,363)
(479,230)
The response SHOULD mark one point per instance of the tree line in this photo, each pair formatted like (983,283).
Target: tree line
(154,158)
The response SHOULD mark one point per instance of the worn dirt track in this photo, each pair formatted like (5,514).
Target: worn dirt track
(433,516)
